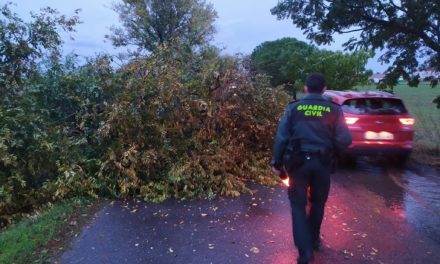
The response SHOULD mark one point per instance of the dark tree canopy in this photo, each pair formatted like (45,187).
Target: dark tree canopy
(23,44)
(284,60)
(407,31)
(150,23)
(288,61)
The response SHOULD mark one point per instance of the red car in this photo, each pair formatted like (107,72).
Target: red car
(378,121)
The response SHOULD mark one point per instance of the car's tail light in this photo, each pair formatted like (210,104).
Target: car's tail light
(351,120)
(407,121)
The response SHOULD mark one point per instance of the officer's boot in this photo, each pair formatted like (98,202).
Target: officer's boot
(317,244)
(305,257)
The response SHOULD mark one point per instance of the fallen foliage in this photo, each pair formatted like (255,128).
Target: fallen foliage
(157,127)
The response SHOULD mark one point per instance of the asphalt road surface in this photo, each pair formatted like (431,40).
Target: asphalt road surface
(375,214)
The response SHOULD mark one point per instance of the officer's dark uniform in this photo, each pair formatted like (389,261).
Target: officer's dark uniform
(308,135)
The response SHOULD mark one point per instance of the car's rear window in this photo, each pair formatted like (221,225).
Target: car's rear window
(374,106)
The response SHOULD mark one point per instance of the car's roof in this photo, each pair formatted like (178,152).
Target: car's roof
(345,95)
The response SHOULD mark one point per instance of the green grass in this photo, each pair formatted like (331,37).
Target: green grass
(19,242)
(418,101)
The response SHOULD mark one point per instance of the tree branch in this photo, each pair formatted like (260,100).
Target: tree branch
(399,7)
(403,29)
(353,30)
(384,9)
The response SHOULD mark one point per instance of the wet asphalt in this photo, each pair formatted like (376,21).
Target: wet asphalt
(376,213)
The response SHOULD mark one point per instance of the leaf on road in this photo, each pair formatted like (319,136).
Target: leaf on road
(255,250)
(347,254)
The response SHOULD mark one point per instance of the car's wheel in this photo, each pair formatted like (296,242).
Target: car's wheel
(347,161)
(400,160)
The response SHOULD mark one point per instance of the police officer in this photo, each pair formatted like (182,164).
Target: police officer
(309,134)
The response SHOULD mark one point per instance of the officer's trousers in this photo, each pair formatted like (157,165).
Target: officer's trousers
(313,173)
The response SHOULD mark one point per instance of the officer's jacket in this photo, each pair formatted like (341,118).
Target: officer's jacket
(313,123)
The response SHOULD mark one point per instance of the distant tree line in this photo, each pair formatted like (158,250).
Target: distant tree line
(288,61)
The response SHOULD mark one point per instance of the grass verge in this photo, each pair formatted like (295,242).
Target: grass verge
(38,238)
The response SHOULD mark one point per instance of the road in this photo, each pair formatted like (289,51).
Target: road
(375,214)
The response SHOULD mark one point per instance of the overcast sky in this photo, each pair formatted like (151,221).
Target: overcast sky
(241,25)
